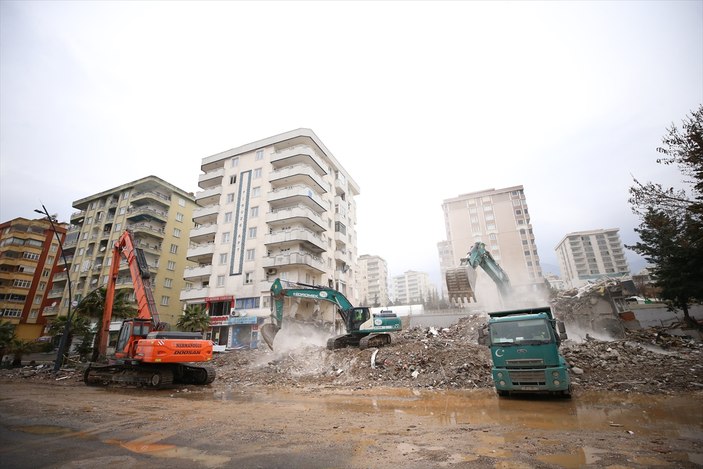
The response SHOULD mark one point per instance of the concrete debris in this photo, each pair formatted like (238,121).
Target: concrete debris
(643,361)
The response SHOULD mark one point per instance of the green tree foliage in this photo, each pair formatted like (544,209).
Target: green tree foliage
(93,306)
(7,333)
(80,325)
(194,319)
(20,347)
(671,228)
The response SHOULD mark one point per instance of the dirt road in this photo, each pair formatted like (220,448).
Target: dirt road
(74,426)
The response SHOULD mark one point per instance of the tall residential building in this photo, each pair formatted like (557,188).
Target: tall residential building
(278,207)
(500,219)
(590,255)
(373,280)
(31,272)
(412,288)
(160,217)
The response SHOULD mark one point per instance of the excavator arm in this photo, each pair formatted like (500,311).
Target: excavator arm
(139,270)
(460,282)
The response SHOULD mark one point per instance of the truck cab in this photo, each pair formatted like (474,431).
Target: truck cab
(524,347)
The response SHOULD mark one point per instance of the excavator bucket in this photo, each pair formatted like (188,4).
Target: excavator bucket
(460,282)
(268,332)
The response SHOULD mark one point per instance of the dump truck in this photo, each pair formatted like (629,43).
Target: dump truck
(524,345)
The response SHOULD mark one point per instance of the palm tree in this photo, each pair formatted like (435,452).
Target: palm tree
(20,347)
(80,325)
(194,319)
(7,333)
(93,306)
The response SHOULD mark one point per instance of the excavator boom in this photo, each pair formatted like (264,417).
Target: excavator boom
(461,280)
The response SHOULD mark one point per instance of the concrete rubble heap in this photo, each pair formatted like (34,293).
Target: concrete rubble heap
(644,361)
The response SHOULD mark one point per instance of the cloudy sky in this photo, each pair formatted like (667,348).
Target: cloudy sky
(420,102)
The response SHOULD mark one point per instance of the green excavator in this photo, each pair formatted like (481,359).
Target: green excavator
(363,328)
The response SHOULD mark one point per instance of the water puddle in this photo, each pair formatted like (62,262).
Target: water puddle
(167,451)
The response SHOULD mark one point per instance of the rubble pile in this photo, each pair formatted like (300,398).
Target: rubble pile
(644,361)
(647,361)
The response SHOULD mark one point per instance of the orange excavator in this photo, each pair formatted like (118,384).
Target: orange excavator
(146,354)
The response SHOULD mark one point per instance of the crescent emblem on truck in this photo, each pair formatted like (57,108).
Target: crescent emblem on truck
(499,352)
(378,322)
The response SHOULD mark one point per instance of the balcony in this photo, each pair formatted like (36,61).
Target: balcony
(206,215)
(340,237)
(295,195)
(60,276)
(211,178)
(194,294)
(296,175)
(147,197)
(78,217)
(55,293)
(203,233)
(146,213)
(201,253)
(294,259)
(308,238)
(146,228)
(299,214)
(341,256)
(199,273)
(208,196)
(299,154)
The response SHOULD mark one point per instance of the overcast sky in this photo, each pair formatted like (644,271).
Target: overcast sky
(420,102)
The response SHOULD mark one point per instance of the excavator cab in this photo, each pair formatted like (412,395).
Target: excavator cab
(131,331)
(357,317)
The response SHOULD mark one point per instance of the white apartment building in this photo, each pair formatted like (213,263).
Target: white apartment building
(412,288)
(278,207)
(500,219)
(158,214)
(373,280)
(590,255)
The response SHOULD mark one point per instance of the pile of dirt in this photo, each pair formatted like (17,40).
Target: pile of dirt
(646,361)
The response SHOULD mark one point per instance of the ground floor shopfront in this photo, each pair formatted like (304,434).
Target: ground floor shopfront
(235,332)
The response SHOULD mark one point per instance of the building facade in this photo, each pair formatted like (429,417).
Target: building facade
(373,280)
(160,217)
(282,207)
(412,288)
(590,255)
(31,274)
(500,219)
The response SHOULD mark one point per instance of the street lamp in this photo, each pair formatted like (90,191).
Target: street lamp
(67,328)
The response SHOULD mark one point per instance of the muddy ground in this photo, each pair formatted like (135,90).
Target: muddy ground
(424,401)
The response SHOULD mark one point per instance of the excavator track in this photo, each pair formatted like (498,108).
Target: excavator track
(374,340)
(153,376)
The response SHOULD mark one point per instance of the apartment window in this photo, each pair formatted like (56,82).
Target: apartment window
(230,198)
(256,191)
(259,155)
(118,227)
(42,286)
(252,232)
(164,301)
(233,179)
(234,161)
(223,259)
(251,254)
(30,255)
(122,210)
(248,277)
(179,216)
(173,249)
(171,265)
(228,217)
(490,226)
(21,283)
(225,237)
(254,212)
(181,202)
(176,233)
(45,273)
(257,173)
(33,314)
(474,219)
(220,280)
